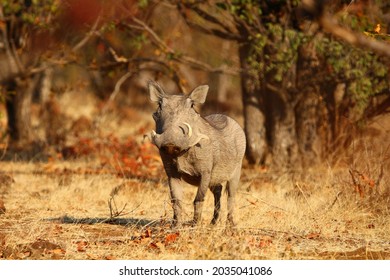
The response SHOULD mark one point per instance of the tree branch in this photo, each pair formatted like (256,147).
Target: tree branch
(14,67)
(256,27)
(227,34)
(330,25)
(183,58)
(208,17)
(379,109)
(88,36)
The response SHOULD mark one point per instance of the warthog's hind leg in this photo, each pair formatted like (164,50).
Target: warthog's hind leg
(231,187)
(217,191)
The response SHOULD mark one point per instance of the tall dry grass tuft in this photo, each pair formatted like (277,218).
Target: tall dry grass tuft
(368,165)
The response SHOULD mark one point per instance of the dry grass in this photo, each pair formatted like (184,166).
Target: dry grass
(51,216)
(67,216)
(58,210)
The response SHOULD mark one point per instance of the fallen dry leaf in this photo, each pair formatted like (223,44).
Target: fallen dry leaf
(148,233)
(265,242)
(170,238)
(6,180)
(109,257)
(313,235)
(252,202)
(58,251)
(81,246)
(156,245)
(25,254)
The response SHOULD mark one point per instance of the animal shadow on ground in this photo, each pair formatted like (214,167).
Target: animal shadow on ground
(113,221)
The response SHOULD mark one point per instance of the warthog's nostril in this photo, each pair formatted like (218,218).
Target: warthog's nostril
(171,149)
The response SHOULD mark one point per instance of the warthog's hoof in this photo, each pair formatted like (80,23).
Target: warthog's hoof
(176,225)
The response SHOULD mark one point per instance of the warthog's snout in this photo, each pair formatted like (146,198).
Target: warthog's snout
(171,149)
(174,140)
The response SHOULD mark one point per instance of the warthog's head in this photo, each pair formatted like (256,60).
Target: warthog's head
(176,119)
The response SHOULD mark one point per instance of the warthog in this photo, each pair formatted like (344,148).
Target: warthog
(203,151)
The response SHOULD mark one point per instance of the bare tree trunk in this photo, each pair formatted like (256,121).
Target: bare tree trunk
(18,104)
(281,128)
(307,128)
(308,110)
(254,123)
(18,86)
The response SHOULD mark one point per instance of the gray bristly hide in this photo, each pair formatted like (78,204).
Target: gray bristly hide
(204,151)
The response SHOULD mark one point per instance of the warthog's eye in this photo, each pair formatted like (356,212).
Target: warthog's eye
(155,116)
(194,108)
(158,112)
(189,103)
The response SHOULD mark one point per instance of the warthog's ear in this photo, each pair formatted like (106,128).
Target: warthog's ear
(156,93)
(198,95)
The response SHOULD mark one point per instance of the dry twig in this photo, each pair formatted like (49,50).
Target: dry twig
(88,36)
(114,213)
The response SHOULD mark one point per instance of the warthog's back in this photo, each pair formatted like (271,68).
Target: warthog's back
(230,131)
(229,143)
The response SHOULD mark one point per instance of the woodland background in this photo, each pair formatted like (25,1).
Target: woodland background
(308,80)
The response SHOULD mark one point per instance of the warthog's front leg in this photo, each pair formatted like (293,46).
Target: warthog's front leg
(176,189)
(199,198)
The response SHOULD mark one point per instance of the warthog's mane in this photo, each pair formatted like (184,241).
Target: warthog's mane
(217,121)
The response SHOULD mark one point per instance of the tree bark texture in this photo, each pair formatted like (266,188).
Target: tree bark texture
(254,118)
(18,104)
(281,128)
(308,109)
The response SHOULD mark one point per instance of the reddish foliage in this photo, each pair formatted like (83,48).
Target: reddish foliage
(78,14)
(362,183)
(265,242)
(126,158)
(109,257)
(171,238)
(313,235)
(147,234)
(81,246)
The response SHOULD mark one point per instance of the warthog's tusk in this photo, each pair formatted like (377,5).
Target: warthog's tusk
(150,136)
(189,129)
(203,136)
(153,136)
(199,137)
